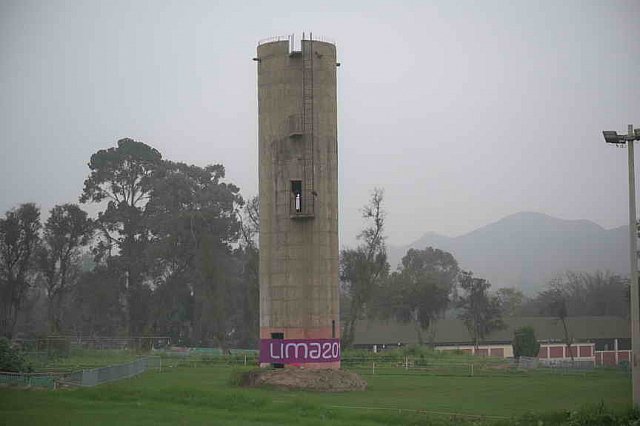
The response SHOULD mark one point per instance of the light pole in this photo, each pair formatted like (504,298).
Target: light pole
(611,136)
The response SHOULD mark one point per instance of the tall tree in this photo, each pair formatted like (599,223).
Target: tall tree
(193,217)
(65,232)
(249,257)
(363,269)
(19,239)
(554,302)
(480,311)
(251,222)
(419,291)
(123,177)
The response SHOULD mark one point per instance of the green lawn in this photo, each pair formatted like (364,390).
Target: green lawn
(201,395)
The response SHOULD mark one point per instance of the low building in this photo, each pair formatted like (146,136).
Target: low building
(604,340)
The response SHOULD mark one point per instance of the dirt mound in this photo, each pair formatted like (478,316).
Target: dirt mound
(322,380)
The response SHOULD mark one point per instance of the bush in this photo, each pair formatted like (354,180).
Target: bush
(601,415)
(590,415)
(525,343)
(11,359)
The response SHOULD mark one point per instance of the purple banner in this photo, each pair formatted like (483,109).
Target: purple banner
(278,351)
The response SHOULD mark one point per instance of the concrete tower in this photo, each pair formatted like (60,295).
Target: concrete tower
(298,162)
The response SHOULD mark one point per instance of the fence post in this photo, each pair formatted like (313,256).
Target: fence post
(160,367)
(373,368)
(471,370)
(245,360)
(406,362)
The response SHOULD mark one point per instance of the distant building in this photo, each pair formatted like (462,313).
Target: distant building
(604,340)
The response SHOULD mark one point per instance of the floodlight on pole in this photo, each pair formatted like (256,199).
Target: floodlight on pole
(611,136)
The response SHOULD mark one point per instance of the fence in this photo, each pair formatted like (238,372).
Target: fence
(365,365)
(576,364)
(613,358)
(419,366)
(83,378)
(397,365)
(526,362)
(416,365)
(197,358)
(40,380)
(143,343)
(97,376)
(62,345)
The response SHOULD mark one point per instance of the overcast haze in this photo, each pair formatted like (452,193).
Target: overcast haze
(464,112)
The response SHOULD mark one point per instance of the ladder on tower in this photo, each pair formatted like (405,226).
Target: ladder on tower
(301,127)
(307,113)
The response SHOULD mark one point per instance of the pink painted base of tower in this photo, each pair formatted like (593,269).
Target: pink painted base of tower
(303,333)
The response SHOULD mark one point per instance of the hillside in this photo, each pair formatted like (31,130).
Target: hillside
(525,250)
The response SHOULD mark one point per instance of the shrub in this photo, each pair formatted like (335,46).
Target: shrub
(590,415)
(600,415)
(11,359)
(525,343)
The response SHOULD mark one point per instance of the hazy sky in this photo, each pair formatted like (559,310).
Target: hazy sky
(463,111)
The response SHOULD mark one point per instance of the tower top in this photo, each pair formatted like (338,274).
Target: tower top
(295,42)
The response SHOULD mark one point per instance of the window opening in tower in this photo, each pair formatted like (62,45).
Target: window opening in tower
(296,188)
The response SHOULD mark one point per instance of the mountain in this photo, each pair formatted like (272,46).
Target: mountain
(525,250)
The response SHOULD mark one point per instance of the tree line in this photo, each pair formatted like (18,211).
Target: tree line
(429,285)
(171,252)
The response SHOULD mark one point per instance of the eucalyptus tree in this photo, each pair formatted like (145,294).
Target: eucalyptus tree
(66,231)
(419,292)
(480,311)
(553,301)
(193,219)
(19,239)
(121,181)
(364,269)
(249,258)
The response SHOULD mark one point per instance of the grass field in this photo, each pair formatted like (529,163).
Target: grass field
(187,395)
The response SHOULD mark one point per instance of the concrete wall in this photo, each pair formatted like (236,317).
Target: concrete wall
(298,255)
(559,350)
(548,351)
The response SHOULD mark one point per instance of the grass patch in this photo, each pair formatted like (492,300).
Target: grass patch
(204,395)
